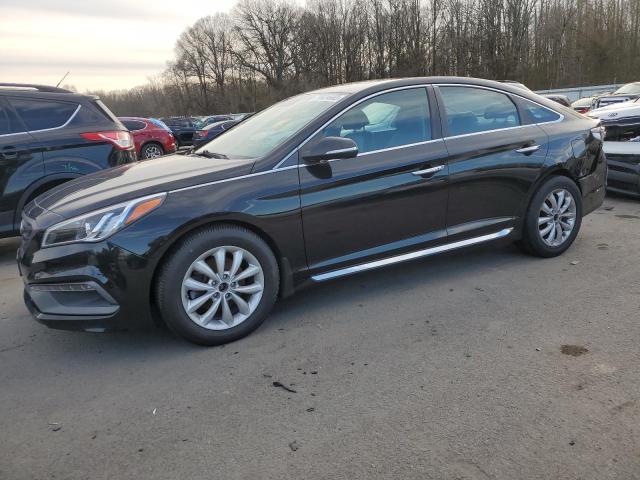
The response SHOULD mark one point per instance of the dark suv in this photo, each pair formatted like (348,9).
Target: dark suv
(50,135)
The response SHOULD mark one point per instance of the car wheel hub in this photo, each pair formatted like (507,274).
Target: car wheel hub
(557,217)
(222,288)
(152,152)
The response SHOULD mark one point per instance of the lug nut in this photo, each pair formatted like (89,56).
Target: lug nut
(225,276)
(234,284)
(216,295)
(227,295)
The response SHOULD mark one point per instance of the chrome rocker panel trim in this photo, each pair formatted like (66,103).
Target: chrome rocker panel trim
(410,256)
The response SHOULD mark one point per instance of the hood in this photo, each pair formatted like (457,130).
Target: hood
(120,184)
(616,111)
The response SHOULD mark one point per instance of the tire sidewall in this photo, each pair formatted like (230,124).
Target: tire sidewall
(531,228)
(170,284)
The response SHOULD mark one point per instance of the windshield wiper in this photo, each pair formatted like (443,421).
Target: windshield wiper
(208,154)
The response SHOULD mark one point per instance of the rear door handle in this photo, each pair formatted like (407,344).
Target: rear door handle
(528,150)
(428,171)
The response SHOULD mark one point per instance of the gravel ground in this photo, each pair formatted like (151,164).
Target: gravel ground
(446,368)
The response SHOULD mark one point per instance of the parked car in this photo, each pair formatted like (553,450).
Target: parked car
(151,138)
(627,92)
(622,144)
(211,131)
(183,129)
(561,99)
(319,186)
(215,119)
(48,136)
(582,105)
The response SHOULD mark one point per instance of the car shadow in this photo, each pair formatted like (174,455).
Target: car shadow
(152,342)
(386,282)
(8,249)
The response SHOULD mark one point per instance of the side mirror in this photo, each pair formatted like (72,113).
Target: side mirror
(330,148)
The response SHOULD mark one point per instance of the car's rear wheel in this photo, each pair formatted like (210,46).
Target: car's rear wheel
(151,150)
(218,285)
(553,219)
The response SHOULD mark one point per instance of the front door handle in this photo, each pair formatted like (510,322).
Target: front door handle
(528,150)
(428,171)
(8,153)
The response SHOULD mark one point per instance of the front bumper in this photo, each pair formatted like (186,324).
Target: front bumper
(84,286)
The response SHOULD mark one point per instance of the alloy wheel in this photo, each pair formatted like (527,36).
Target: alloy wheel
(557,217)
(222,288)
(152,151)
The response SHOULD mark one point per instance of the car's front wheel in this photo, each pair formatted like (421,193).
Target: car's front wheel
(218,285)
(553,219)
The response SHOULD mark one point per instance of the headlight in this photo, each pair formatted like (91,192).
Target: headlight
(98,225)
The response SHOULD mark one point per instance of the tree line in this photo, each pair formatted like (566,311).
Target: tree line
(265,50)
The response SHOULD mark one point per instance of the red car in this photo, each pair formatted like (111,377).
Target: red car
(151,137)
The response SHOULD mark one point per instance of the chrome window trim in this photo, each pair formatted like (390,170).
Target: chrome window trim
(304,165)
(73,115)
(410,256)
(423,85)
(408,145)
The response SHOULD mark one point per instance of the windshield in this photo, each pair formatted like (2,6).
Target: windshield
(267,130)
(629,88)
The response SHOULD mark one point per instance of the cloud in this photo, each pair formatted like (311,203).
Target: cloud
(96,8)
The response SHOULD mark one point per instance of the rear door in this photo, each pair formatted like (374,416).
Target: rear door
(20,165)
(391,198)
(496,154)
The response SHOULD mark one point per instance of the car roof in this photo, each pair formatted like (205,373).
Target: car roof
(139,119)
(42,91)
(375,85)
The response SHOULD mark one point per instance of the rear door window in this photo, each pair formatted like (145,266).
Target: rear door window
(43,114)
(538,113)
(475,110)
(134,125)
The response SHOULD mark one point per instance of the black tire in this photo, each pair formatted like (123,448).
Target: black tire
(531,242)
(172,273)
(148,149)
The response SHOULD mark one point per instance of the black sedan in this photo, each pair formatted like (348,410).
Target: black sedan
(319,186)
(211,131)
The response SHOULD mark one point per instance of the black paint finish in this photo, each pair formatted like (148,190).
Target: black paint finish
(318,217)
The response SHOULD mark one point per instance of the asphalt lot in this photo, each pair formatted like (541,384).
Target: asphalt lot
(446,368)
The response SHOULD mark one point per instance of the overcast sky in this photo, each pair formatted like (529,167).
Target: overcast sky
(106,44)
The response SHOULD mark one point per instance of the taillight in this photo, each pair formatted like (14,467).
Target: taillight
(582,109)
(201,133)
(119,139)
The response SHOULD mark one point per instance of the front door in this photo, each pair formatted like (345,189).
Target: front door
(391,198)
